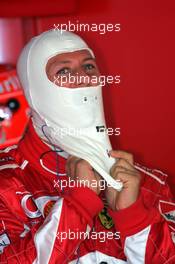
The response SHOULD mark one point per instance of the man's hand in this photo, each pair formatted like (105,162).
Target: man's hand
(124,171)
(80,170)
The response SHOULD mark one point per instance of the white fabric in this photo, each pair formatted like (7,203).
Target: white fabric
(45,237)
(77,111)
(135,247)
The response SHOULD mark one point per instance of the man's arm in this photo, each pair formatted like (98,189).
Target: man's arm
(145,234)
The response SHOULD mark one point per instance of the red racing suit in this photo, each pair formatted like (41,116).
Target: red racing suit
(40,222)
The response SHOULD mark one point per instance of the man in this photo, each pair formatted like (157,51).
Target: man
(44,222)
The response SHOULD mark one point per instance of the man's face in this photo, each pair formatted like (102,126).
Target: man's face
(73,69)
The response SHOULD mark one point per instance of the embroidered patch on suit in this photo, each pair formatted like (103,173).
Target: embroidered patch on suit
(105,219)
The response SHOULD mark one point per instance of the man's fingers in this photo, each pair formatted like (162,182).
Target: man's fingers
(74,164)
(125,164)
(120,154)
(71,166)
(127,178)
(116,169)
(82,169)
(122,165)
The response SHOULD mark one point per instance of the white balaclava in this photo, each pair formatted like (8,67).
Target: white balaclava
(74,118)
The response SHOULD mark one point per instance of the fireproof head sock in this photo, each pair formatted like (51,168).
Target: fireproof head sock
(74,118)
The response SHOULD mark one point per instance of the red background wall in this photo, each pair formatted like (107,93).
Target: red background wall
(143,54)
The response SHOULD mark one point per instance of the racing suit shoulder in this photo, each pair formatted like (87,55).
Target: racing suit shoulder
(149,222)
(154,183)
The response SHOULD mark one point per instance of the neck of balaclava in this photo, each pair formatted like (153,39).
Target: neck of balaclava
(39,126)
(42,130)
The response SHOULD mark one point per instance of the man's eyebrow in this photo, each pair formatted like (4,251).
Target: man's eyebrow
(63,61)
(89,58)
(68,61)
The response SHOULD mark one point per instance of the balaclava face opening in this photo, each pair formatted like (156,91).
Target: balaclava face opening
(74,118)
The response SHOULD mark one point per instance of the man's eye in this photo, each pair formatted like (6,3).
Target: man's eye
(63,71)
(89,66)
